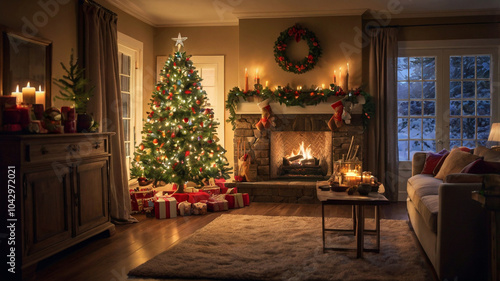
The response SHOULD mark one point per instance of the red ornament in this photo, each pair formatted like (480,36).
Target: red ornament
(198,102)
(209,141)
(187,153)
(158,87)
(187,92)
(173,135)
(187,59)
(207,111)
(191,71)
(193,110)
(167,108)
(162,144)
(201,169)
(201,124)
(141,147)
(155,141)
(186,120)
(175,64)
(168,75)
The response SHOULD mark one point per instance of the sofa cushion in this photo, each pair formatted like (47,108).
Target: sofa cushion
(431,161)
(440,163)
(482,167)
(455,162)
(423,192)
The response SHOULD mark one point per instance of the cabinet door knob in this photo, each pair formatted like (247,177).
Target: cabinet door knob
(97,144)
(73,148)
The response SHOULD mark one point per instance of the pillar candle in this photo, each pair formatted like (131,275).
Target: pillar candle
(335,77)
(267,84)
(246,80)
(257,79)
(40,96)
(18,95)
(340,76)
(29,94)
(347,78)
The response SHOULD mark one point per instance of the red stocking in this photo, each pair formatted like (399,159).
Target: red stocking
(336,120)
(265,121)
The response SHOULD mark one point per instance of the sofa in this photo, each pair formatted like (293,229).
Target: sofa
(451,227)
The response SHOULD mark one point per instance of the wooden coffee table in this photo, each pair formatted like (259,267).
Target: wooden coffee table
(358,216)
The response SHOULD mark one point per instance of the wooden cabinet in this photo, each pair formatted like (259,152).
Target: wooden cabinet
(61,186)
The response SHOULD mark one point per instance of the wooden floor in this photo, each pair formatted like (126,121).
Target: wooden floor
(111,258)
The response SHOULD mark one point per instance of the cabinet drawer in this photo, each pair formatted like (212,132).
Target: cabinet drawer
(36,152)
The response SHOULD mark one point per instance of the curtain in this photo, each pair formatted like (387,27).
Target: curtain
(382,150)
(98,54)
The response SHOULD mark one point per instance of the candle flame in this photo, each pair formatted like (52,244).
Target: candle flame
(28,85)
(17,88)
(39,88)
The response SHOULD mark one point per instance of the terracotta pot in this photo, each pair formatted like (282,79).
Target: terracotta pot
(83,122)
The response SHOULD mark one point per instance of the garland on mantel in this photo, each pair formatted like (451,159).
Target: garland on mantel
(292,97)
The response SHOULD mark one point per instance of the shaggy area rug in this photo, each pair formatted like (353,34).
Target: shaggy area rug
(243,247)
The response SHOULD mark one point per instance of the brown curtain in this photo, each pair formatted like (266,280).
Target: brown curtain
(382,152)
(99,56)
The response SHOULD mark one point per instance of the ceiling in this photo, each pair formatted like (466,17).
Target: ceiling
(161,13)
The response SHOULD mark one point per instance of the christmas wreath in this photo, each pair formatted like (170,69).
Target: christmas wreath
(296,33)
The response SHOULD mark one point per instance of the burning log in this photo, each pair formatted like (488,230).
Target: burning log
(296,157)
(308,162)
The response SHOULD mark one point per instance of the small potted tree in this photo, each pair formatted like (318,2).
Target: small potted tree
(74,88)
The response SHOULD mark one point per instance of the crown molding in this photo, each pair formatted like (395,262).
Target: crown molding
(199,24)
(132,9)
(440,14)
(298,14)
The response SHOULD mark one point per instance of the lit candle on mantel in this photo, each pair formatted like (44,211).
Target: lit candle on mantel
(257,79)
(40,96)
(29,94)
(347,78)
(246,80)
(267,84)
(335,77)
(18,95)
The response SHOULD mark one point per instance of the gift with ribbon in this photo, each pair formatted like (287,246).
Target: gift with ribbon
(235,200)
(165,207)
(246,199)
(211,189)
(199,208)
(217,203)
(185,208)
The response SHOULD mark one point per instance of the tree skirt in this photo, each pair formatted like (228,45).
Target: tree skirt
(244,247)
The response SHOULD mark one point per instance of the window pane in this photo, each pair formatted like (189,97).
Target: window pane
(402,90)
(126,129)
(469,67)
(415,108)
(415,128)
(468,108)
(455,90)
(126,105)
(483,89)
(124,83)
(469,91)
(469,128)
(403,150)
(483,67)
(127,149)
(455,108)
(455,128)
(429,128)
(429,146)
(455,143)
(429,68)
(429,108)
(415,146)
(402,108)
(483,108)
(455,67)
(483,128)
(415,68)
(402,128)
(403,68)
(416,90)
(125,64)
(469,144)
(429,90)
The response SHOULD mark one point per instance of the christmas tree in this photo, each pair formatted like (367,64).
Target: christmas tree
(179,141)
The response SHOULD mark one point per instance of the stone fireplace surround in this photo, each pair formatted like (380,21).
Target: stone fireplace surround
(258,146)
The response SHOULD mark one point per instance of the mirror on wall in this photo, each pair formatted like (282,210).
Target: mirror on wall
(26,60)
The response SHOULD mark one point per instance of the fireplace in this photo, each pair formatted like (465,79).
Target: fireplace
(268,147)
(300,155)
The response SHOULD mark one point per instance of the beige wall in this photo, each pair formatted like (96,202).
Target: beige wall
(257,38)
(58,23)
(206,41)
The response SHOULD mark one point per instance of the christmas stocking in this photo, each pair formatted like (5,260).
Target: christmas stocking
(336,120)
(265,120)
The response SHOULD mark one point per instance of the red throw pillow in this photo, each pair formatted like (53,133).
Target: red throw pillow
(431,160)
(482,167)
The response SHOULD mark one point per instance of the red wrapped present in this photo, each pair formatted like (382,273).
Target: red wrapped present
(211,190)
(217,206)
(165,207)
(139,199)
(246,199)
(181,197)
(235,200)
(195,197)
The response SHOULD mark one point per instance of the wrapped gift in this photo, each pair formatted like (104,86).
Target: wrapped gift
(197,196)
(181,197)
(246,199)
(199,208)
(185,208)
(211,190)
(165,207)
(217,206)
(235,200)
(139,198)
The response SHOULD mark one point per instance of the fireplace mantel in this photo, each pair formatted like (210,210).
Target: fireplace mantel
(251,107)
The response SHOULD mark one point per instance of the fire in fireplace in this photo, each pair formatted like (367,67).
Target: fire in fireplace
(301,155)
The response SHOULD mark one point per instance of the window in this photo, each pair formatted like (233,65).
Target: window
(445,98)
(130,71)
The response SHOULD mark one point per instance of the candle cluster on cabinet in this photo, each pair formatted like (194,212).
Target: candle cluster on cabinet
(29,95)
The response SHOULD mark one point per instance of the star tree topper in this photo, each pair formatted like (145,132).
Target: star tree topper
(179,41)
